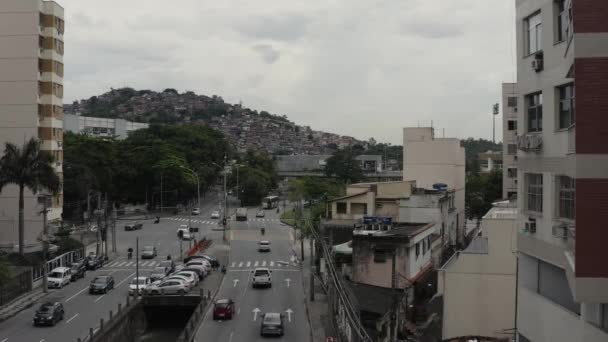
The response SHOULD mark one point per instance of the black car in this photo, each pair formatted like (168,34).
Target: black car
(101,284)
(134,226)
(94,262)
(49,314)
(213,261)
(272,324)
(78,270)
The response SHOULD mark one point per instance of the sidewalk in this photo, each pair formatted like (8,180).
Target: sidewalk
(317,310)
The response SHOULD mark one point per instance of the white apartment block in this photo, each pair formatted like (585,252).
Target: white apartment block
(509,140)
(562,166)
(429,160)
(100,127)
(31,101)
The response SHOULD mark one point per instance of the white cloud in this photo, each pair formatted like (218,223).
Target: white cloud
(359,67)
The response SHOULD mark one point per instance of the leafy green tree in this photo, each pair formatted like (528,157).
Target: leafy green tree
(27,167)
(5,271)
(343,166)
(481,190)
(254,184)
(472,149)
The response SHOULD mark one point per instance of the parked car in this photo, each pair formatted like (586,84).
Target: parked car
(137,285)
(206,265)
(149,252)
(190,274)
(198,270)
(264,246)
(168,287)
(78,270)
(49,314)
(272,324)
(158,273)
(134,225)
(59,277)
(188,281)
(196,211)
(94,262)
(223,309)
(261,277)
(101,284)
(215,214)
(213,261)
(260,213)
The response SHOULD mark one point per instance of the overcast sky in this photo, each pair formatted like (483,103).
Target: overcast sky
(364,68)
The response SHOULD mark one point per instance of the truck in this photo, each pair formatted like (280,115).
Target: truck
(241,214)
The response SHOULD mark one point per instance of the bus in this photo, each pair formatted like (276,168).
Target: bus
(241,214)
(270,202)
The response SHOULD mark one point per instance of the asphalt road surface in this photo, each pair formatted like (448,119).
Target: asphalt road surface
(285,296)
(84,311)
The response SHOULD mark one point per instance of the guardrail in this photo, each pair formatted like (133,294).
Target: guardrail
(191,328)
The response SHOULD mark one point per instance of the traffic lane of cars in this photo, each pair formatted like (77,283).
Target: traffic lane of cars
(81,312)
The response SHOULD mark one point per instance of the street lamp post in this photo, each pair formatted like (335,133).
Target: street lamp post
(198,185)
(45,245)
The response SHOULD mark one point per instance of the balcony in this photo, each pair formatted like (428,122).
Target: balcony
(531,142)
(572,139)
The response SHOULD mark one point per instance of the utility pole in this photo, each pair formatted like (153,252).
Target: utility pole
(137,263)
(114,214)
(393,329)
(225,221)
(494,113)
(312,273)
(161,191)
(105,228)
(45,247)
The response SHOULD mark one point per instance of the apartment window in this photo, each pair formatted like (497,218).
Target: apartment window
(417,250)
(512,125)
(553,285)
(512,101)
(380,255)
(423,247)
(511,148)
(341,208)
(512,172)
(535,112)
(428,242)
(566,105)
(566,189)
(561,20)
(534,185)
(533,34)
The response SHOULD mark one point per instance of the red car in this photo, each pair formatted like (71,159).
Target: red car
(223,309)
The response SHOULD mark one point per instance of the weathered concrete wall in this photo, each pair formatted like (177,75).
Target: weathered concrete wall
(126,325)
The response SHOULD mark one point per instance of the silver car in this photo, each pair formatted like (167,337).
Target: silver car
(187,280)
(168,287)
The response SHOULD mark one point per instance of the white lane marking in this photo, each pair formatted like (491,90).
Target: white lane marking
(112,264)
(69,320)
(129,264)
(77,293)
(272,269)
(241,264)
(99,298)
(6,339)
(248,263)
(145,263)
(121,264)
(230,339)
(233,264)
(264,263)
(42,340)
(126,278)
(271,263)
(255,264)
(236,281)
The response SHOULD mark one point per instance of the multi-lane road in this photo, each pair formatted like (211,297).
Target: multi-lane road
(82,310)
(285,296)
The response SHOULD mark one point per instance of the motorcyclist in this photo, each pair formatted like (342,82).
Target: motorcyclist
(223,268)
(129,253)
(263,230)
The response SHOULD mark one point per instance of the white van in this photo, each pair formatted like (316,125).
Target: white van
(59,277)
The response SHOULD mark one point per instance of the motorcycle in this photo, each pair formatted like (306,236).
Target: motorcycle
(130,253)
(157,219)
(224,269)
(263,231)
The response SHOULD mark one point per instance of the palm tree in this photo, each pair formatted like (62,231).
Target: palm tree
(27,167)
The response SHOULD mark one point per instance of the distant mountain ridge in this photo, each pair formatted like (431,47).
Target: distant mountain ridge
(243,127)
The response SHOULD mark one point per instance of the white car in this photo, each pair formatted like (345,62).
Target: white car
(261,277)
(59,277)
(215,214)
(196,211)
(187,280)
(185,232)
(168,287)
(137,285)
(190,274)
(264,246)
(203,263)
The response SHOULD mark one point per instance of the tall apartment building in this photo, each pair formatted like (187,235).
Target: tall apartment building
(429,160)
(31,105)
(562,160)
(509,142)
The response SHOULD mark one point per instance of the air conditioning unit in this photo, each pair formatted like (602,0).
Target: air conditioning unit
(530,227)
(537,64)
(560,231)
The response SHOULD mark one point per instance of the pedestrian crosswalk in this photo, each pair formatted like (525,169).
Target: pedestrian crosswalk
(262,263)
(216,222)
(131,264)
